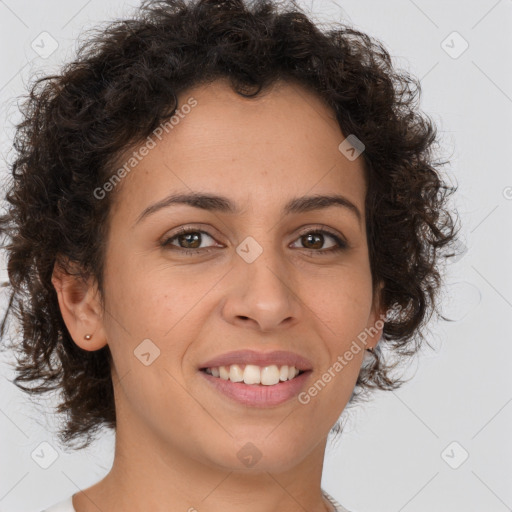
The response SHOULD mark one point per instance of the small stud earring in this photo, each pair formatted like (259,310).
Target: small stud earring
(87,337)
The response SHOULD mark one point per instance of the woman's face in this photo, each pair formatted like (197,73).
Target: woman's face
(258,281)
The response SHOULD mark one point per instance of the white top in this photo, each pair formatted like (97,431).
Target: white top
(67,505)
(337,506)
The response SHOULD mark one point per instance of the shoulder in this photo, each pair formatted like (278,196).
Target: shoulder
(65,505)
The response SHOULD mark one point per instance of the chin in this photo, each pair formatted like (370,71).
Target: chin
(258,453)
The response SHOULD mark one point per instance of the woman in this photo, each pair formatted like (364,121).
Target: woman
(219,217)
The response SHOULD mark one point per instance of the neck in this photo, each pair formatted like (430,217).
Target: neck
(150,474)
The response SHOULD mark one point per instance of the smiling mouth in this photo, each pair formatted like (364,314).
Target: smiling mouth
(253,386)
(254,375)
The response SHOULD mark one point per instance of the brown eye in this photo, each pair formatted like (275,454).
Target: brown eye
(189,241)
(314,240)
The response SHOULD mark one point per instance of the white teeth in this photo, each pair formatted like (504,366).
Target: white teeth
(236,374)
(270,375)
(252,374)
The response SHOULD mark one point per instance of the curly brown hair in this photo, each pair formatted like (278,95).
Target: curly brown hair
(122,84)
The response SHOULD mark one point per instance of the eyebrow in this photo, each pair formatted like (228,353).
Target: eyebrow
(216,203)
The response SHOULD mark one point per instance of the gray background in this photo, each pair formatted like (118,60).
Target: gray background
(405,450)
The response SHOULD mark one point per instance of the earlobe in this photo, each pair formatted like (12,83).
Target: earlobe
(79,309)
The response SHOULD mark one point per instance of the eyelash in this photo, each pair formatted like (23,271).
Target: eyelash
(342,245)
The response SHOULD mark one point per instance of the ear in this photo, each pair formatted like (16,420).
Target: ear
(376,320)
(80,308)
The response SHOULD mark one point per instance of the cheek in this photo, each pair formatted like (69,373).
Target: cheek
(342,302)
(148,299)
(163,305)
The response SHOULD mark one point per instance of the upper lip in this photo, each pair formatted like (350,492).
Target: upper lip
(277,357)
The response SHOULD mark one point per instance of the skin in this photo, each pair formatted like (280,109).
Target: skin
(177,439)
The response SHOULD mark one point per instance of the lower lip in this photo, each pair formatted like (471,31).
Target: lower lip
(256,395)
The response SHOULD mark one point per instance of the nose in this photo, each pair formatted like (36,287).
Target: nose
(262,295)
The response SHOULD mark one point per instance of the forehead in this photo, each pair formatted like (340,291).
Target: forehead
(282,143)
